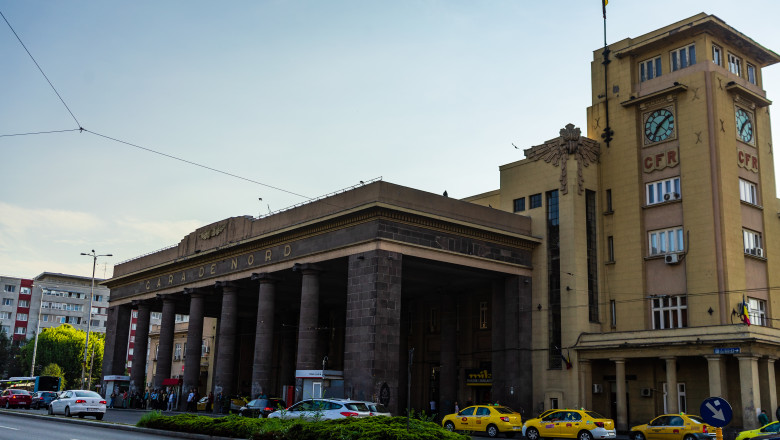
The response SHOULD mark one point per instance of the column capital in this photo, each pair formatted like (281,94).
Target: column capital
(713,357)
(166,296)
(770,359)
(747,356)
(265,277)
(307,268)
(668,358)
(618,360)
(226,284)
(138,303)
(200,291)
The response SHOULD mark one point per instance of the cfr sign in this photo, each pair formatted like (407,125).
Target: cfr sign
(659,161)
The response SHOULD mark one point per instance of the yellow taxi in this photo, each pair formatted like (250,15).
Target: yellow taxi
(570,423)
(485,418)
(771,428)
(674,427)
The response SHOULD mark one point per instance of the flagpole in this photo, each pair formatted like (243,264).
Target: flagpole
(607,135)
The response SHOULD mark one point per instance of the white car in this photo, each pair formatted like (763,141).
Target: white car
(323,409)
(79,403)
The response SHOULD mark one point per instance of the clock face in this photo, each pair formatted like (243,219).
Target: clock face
(744,126)
(659,125)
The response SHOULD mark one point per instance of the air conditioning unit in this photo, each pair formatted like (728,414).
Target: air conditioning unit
(646,392)
(760,252)
(597,388)
(667,196)
(676,196)
(671,258)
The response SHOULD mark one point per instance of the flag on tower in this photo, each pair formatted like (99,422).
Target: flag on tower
(604,7)
(744,311)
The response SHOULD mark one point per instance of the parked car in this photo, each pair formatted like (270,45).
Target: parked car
(41,399)
(377,409)
(485,418)
(323,409)
(674,427)
(771,428)
(570,423)
(261,407)
(78,403)
(14,398)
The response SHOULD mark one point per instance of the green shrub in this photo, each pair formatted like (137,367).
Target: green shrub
(370,428)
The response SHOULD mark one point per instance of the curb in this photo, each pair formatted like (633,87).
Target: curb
(120,426)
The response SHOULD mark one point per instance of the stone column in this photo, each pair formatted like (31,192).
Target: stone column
(165,347)
(586,383)
(620,391)
(714,365)
(448,357)
(497,339)
(518,365)
(138,370)
(672,404)
(194,342)
(307,324)
(264,335)
(373,328)
(228,321)
(750,392)
(117,337)
(771,387)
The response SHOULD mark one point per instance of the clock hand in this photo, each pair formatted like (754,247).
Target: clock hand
(660,125)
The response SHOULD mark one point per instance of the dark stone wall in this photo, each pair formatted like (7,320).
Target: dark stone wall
(372,339)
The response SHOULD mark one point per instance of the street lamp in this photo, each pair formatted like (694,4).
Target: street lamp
(89,316)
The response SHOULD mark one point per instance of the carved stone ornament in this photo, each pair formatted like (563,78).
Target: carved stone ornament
(213,232)
(556,151)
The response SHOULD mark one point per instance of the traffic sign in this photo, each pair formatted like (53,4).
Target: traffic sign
(716,411)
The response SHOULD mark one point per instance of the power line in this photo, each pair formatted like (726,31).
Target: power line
(40,70)
(41,132)
(196,164)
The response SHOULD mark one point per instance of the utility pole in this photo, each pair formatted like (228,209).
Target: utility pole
(89,313)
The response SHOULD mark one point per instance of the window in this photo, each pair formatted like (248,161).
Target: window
(21,330)
(177,352)
(5,329)
(5,315)
(662,191)
(156,315)
(182,318)
(8,302)
(649,69)
(99,298)
(752,241)
(683,57)
(747,192)
(735,65)
(613,310)
(666,241)
(483,314)
(61,319)
(24,303)
(10,288)
(717,55)
(94,323)
(609,200)
(670,312)
(553,403)
(25,291)
(610,249)
(132,326)
(135,312)
(751,71)
(535,201)
(519,204)
(204,347)
(757,311)
(682,403)
(21,316)
(45,318)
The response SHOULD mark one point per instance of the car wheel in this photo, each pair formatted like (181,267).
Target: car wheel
(585,435)
(98,416)
(532,434)
(638,436)
(67,411)
(688,437)
(449,426)
(492,431)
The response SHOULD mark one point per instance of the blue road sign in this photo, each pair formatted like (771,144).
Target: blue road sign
(716,411)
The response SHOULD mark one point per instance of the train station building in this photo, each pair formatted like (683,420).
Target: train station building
(616,276)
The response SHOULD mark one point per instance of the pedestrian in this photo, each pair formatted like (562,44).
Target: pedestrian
(124,399)
(219,402)
(457,408)
(190,399)
(146,399)
(210,402)
(432,403)
(195,401)
(111,399)
(763,419)
(171,400)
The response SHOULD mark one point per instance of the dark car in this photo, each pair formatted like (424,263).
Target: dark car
(261,407)
(41,399)
(13,398)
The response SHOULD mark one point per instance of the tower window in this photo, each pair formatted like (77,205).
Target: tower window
(519,204)
(717,55)
(535,201)
(650,69)
(683,57)
(735,65)
(751,72)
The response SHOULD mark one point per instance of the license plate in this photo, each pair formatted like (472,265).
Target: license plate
(93,409)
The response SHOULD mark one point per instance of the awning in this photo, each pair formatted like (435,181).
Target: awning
(171,382)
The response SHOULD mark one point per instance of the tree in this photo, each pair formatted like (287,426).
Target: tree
(55,370)
(5,353)
(64,346)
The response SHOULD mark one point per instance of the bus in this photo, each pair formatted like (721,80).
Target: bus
(32,383)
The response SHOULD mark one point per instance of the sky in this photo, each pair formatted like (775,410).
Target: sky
(297,98)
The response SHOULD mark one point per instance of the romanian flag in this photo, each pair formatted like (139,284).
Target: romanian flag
(744,312)
(566,359)
(604,7)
